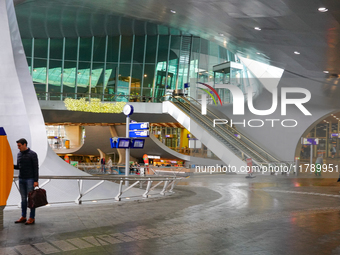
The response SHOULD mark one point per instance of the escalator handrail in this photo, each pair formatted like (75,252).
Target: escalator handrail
(232,129)
(231,143)
(231,140)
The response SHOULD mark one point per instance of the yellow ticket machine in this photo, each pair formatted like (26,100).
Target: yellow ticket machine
(6,172)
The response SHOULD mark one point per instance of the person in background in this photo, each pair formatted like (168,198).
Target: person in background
(109,165)
(102,162)
(318,165)
(137,167)
(333,151)
(28,166)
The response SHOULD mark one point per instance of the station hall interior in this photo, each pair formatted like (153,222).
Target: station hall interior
(237,105)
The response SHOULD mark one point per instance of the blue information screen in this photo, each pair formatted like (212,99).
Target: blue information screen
(141,133)
(141,125)
(137,143)
(123,143)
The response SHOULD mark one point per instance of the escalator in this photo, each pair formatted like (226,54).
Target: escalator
(232,140)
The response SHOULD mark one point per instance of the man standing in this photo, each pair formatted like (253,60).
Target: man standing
(28,178)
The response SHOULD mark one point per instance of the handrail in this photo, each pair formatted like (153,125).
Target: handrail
(104,97)
(236,145)
(102,178)
(244,137)
(106,177)
(237,148)
(245,140)
(231,142)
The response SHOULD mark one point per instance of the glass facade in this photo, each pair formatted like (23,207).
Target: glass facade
(328,133)
(120,68)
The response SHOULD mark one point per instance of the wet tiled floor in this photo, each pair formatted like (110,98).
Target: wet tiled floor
(209,214)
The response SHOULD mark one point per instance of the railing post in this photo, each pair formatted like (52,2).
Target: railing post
(172,186)
(80,186)
(42,185)
(147,189)
(166,183)
(118,198)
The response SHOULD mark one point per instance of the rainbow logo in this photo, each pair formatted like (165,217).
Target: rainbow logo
(208,92)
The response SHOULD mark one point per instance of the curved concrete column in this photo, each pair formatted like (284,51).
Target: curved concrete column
(121,152)
(20,112)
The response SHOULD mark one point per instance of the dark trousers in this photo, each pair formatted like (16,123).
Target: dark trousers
(25,186)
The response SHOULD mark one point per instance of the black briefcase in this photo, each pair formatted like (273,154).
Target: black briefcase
(37,198)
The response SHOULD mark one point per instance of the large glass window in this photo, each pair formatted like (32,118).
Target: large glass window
(55,66)
(83,75)
(111,75)
(137,68)
(161,75)
(97,76)
(173,62)
(149,69)
(70,67)
(155,68)
(39,69)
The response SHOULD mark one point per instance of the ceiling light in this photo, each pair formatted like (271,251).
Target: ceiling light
(326,71)
(173,11)
(258,53)
(322,9)
(221,34)
(296,52)
(257,28)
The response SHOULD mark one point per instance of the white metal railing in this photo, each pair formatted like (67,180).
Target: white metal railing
(96,168)
(169,181)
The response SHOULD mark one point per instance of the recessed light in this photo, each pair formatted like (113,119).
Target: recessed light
(322,9)
(258,53)
(173,11)
(296,52)
(127,198)
(220,34)
(94,201)
(257,28)
(326,71)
